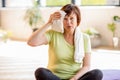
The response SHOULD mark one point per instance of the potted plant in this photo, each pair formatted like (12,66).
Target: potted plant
(112,28)
(94,36)
(4,35)
(92,32)
(116,18)
(33,16)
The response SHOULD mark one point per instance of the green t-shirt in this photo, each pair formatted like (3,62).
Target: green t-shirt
(61,55)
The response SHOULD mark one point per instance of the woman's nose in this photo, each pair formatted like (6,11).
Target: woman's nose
(68,21)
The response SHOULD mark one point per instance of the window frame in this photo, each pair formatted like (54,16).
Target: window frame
(3,4)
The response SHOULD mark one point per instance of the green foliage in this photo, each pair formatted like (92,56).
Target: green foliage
(4,35)
(112,27)
(116,18)
(33,15)
(91,31)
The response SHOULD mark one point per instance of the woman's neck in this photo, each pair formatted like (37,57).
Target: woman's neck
(69,37)
(68,33)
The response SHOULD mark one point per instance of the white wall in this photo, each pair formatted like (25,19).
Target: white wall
(98,17)
(12,20)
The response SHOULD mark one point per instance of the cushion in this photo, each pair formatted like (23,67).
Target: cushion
(111,74)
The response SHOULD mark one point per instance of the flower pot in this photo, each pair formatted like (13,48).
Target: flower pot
(95,41)
(115,42)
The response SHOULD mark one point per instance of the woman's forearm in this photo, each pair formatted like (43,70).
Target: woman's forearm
(85,66)
(38,36)
(81,72)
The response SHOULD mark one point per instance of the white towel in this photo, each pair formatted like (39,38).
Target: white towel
(79,45)
(57,25)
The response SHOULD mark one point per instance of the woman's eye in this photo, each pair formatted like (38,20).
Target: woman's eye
(65,18)
(71,18)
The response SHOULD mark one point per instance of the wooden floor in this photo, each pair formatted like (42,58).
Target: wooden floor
(12,68)
(18,61)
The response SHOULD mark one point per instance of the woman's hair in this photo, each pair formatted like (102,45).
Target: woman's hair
(71,8)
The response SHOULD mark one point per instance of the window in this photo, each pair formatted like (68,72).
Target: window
(83,2)
(92,2)
(16,3)
(27,3)
(57,2)
(100,2)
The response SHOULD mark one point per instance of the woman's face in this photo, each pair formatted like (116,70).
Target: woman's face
(70,22)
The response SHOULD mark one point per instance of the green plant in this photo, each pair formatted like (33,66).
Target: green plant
(4,35)
(116,18)
(33,16)
(92,32)
(112,28)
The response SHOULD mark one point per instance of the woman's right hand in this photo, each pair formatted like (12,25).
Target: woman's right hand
(54,16)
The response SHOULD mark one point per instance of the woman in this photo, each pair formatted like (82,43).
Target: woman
(61,65)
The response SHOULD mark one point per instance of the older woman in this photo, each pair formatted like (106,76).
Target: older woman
(61,65)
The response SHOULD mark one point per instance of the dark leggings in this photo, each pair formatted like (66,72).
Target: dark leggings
(45,74)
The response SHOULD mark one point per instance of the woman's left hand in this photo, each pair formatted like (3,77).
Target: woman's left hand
(73,78)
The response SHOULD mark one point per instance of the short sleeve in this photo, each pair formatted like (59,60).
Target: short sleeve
(87,43)
(49,35)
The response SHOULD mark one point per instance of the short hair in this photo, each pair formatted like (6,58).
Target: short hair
(71,8)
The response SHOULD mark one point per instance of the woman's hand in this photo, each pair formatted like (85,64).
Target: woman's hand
(54,16)
(73,78)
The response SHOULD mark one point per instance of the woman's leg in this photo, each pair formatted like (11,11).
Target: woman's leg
(95,74)
(45,74)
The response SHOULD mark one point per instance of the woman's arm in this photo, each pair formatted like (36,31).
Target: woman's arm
(85,67)
(38,37)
